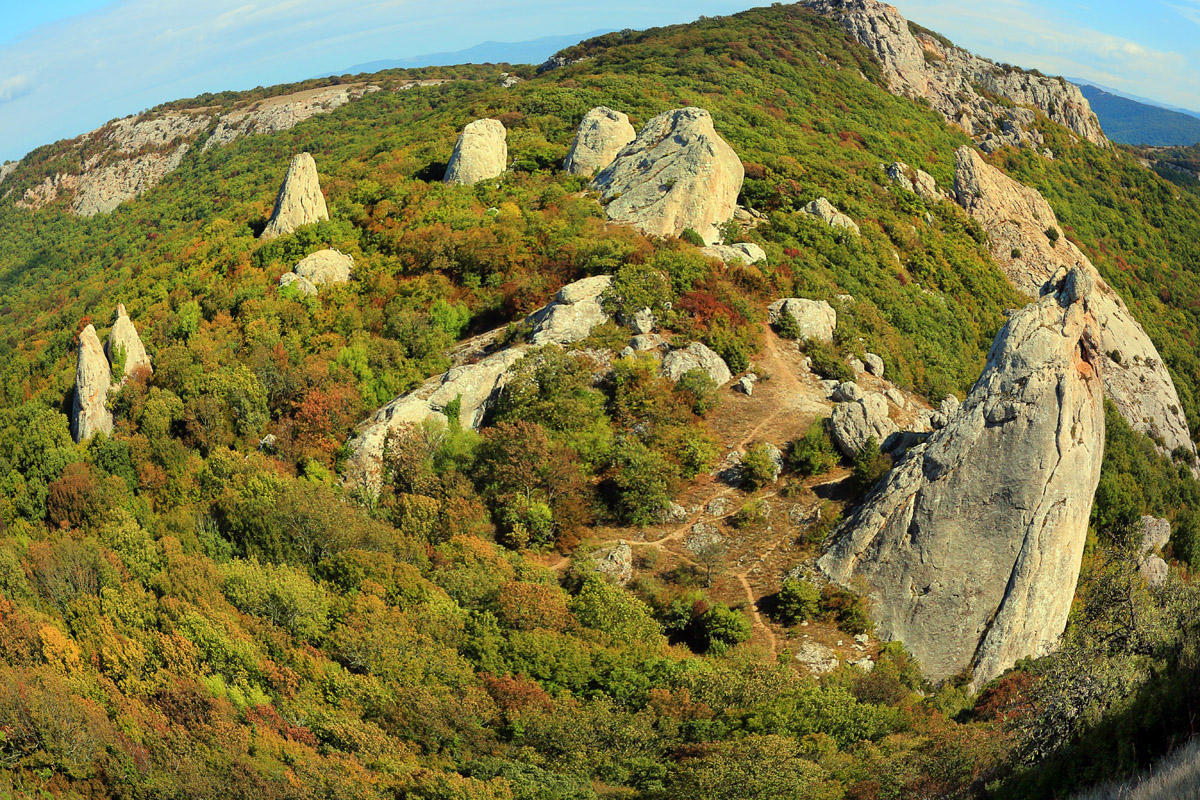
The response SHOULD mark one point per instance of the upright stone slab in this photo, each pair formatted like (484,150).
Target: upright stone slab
(300,201)
(93,378)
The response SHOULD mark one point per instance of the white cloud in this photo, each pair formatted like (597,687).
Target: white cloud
(14,86)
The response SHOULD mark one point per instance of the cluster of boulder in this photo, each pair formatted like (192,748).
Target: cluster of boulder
(324,267)
(94,374)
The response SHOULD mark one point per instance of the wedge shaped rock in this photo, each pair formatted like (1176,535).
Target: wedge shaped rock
(124,343)
(1025,239)
(600,137)
(970,548)
(300,201)
(677,174)
(93,379)
(480,154)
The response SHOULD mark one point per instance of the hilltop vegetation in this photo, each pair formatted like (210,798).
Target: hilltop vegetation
(186,611)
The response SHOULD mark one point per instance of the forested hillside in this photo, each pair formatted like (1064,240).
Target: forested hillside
(198,606)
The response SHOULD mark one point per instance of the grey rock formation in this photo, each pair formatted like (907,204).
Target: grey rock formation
(874,364)
(824,210)
(816,657)
(815,319)
(745,384)
(852,424)
(677,174)
(1154,571)
(745,252)
(573,314)
(677,363)
(124,343)
(300,201)
(472,384)
(93,379)
(615,562)
(846,392)
(1153,534)
(970,548)
(321,268)
(273,114)
(914,180)
(1016,219)
(641,322)
(480,154)
(600,137)
(957,83)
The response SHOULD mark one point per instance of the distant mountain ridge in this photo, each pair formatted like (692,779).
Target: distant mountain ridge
(1135,121)
(534,51)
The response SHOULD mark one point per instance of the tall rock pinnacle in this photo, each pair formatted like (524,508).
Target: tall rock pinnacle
(93,378)
(124,342)
(300,201)
(970,548)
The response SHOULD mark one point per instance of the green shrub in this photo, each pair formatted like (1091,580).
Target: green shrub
(827,362)
(846,609)
(797,601)
(758,468)
(690,236)
(813,453)
(787,327)
(868,466)
(698,390)
(721,627)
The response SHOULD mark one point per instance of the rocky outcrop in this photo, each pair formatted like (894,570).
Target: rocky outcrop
(970,548)
(573,314)
(1026,241)
(678,363)
(825,211)
(93,379)
(853,424)
(472,384)
(129,156)
(600,137)
(615,562)
(319,269)
(300,201)
(678,174)
(917,181)
(745,252)
(814,319)
(957,83)
(480,154)
(125,346)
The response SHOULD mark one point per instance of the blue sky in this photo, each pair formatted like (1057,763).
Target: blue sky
(67,66)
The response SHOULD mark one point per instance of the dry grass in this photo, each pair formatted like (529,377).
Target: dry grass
(1176,777)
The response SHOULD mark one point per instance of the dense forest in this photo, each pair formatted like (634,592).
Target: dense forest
(196,606)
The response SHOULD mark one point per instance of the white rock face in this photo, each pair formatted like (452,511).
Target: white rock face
(93,379)
(321,268)
(615,562)
(678,363)
(815,319)
(569,318)
(600,137)
(824,210)
(950,78)
(677,174)
(970,548)
(124,339)
(300,201)
(1016,219)
(745,252)
(480,154)
(874,364)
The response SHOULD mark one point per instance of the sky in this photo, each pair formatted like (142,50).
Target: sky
(67,66)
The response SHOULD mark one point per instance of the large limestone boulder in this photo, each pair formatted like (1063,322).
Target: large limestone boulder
(825,211)
(573,314)
(853,424)
(319,269)
(1017,220)
(473,383)
(677,174)
(600,137)
(300,201)
(914,180)
(93,379)
(970,548)
(815,319)
(678,363)
(480,154)
(124,342)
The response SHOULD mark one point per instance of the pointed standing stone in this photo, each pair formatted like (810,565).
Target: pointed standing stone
(123,341)
(92,381)
(300,201)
